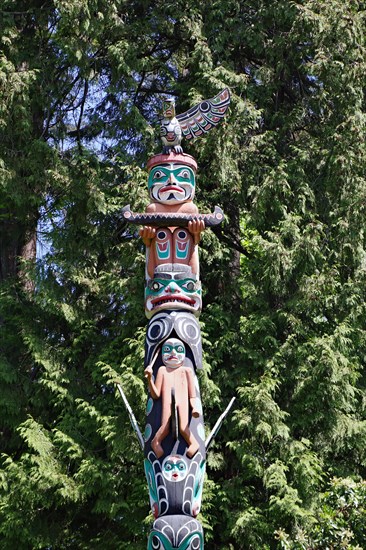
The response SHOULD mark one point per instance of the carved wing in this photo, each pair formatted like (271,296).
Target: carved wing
(200,119)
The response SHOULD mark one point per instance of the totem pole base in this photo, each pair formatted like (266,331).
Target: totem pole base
(182,532)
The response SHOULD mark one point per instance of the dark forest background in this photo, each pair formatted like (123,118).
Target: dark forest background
(81,83)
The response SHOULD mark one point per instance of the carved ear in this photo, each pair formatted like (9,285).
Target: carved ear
(188,329)
(159,328)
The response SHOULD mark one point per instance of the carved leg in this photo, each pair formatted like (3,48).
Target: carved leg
(184,430)
(160,435)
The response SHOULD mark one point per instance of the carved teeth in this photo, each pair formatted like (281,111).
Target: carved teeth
(172,301)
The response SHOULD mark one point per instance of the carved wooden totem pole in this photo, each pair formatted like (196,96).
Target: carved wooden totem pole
(174,441)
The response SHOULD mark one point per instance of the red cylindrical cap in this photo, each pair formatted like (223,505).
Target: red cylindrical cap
(181,158)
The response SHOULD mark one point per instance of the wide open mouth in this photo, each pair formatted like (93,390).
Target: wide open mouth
(173,299)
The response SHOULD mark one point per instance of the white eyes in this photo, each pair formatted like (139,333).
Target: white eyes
(155,286)
(184,174)
(180,349)
(181,467)
(168,467)
(158,175)
(166,350)
(189,286)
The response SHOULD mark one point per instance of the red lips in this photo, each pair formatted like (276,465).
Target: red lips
(169,188)
(172,298)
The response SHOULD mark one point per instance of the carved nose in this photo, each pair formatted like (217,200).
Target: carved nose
(172,288)
(172,179)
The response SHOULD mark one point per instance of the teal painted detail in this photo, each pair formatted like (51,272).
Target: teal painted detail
(150,476)
(181,174)
(149,406)
(163,254)
(148,431)
(198,486)
(179,348)
(181,254)
(201,431)
(157,286)
(199,408)
(194,541)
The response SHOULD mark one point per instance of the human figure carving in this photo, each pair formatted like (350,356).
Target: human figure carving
(172,188)
(173,375)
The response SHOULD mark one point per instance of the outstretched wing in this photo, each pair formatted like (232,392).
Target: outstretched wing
(200,119)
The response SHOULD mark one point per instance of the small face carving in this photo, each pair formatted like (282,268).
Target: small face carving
(171,183)
(168,108)
(174,468)
(172,290)
(173,353)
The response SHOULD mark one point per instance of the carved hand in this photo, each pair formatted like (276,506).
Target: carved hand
(195,227)
(148,373)
(147,233)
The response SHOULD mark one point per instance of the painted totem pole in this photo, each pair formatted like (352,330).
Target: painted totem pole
(174,441)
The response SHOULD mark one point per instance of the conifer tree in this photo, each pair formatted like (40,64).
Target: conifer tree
(284,278)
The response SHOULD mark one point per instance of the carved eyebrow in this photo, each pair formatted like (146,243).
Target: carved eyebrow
(160,169)
(182,169)
(179,276)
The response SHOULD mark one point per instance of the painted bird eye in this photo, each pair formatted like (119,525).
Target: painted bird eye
(189,286)
(155,543)
(155,286)
(180,349)
(182,234)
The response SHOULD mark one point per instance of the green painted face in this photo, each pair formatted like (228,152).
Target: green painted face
(168,108)
(171,183)
(174,468)
(172,290)
(173,353)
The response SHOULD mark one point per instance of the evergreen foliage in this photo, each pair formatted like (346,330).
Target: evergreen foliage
(284,306)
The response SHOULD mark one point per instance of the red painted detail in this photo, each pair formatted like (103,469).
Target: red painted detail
(181,158)
(182,246)
(168,188)
(171,296)
(163,247)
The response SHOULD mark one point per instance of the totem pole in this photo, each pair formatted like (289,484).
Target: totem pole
(174,441)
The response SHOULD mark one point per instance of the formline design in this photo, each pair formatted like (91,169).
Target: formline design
(174,441)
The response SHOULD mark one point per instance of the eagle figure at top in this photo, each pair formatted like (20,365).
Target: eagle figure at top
(193,123)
